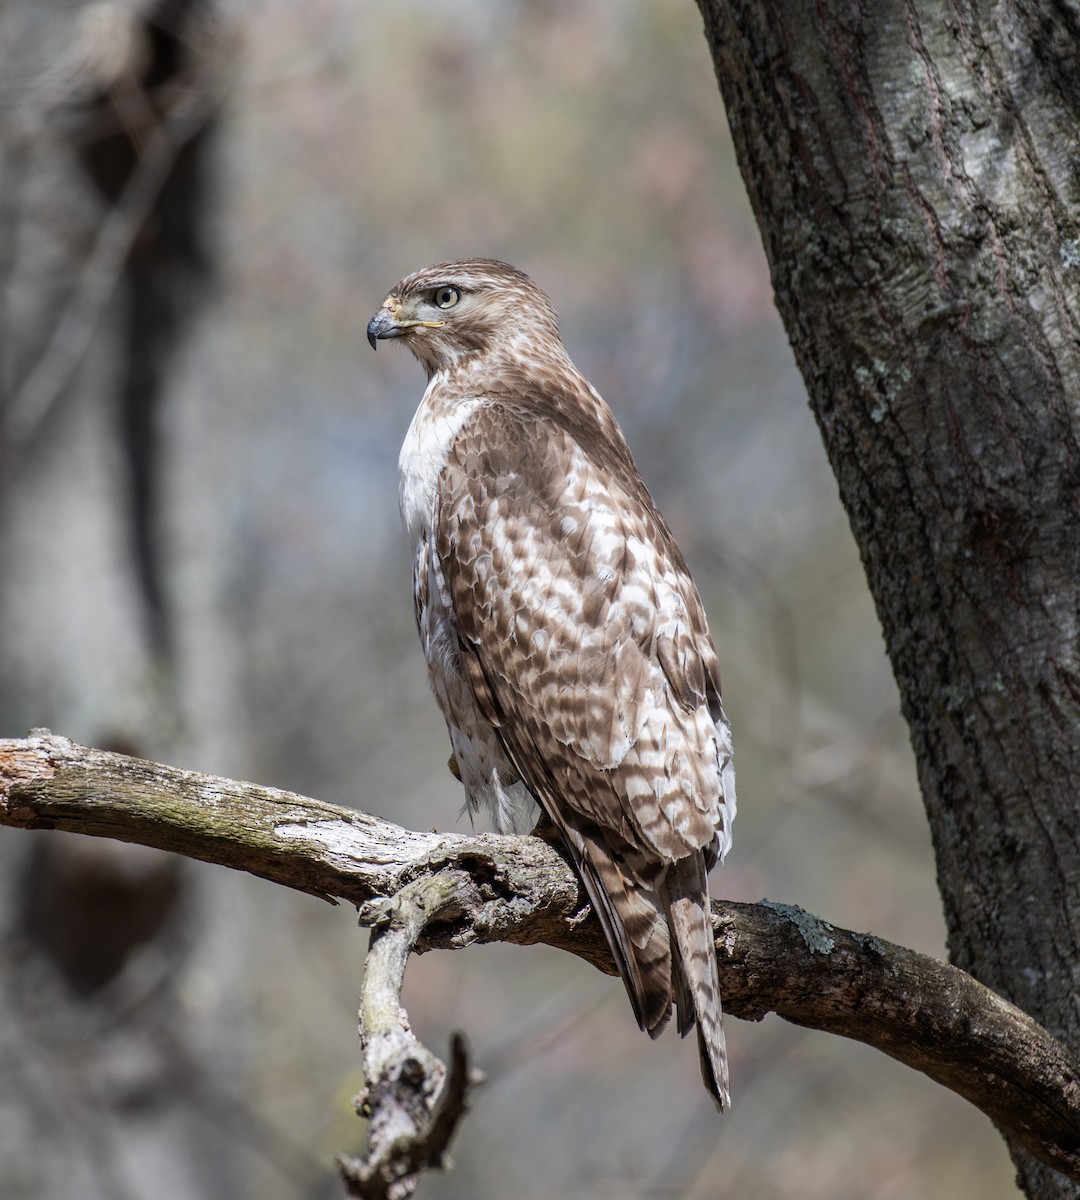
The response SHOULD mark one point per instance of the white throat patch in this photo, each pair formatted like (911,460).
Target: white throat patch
(423,456)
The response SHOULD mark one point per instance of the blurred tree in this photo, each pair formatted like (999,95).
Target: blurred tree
(99,928)
(168,265)
(914,174)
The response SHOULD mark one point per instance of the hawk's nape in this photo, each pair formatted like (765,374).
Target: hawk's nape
(566,642)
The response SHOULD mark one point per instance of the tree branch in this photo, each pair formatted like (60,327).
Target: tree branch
(413,1104)
(773,957)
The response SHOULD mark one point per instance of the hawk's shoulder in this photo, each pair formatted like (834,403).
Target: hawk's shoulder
(526,413)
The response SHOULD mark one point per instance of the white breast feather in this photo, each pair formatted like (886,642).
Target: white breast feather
(423,457)
(489,780)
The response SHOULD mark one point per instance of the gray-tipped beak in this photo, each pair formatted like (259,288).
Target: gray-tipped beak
(382,325)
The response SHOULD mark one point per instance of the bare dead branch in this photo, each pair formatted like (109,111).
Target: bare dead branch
(773,957)
(413,1104)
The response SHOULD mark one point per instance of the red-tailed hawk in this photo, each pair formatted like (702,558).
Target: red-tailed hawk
(565,640)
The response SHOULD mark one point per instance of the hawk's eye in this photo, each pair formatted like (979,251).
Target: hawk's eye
(446,297)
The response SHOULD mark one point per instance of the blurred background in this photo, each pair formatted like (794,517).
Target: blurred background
(203,563)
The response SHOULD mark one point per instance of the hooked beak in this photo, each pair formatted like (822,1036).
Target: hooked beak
(386,323)
(382,325)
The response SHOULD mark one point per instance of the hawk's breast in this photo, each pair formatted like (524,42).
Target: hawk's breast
(490,781)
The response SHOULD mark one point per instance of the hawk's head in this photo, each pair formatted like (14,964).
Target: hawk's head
(478,307)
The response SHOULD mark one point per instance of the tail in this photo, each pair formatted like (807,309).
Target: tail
(637,932)
(684,894)
(659,935)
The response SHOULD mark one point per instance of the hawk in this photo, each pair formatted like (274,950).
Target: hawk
(566,643)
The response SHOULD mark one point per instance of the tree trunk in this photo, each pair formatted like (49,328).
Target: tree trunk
(915,172)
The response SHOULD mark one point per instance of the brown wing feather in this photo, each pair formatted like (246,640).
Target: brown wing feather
(634,923)
(534,540)
(584,641)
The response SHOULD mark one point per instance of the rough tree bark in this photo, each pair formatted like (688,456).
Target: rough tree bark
(914,171)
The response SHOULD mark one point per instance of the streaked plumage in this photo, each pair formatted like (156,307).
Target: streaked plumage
(565,640)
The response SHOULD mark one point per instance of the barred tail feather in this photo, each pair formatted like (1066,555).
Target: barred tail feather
(697,984)
(637,932)
(660,934)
